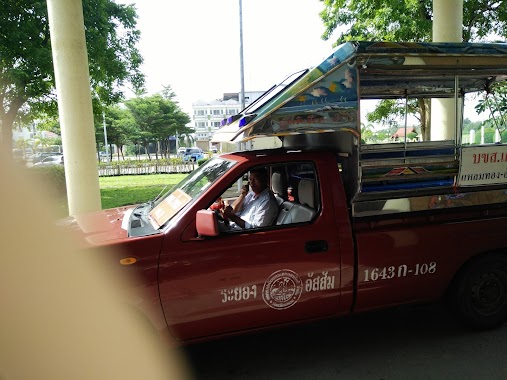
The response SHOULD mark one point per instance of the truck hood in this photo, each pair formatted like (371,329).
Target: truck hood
(98,228)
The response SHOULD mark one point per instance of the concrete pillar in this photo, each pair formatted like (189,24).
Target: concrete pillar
(447,27)
(72,77)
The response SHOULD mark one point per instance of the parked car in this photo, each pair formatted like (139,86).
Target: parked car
(193,154)
(42,155)
(181,151)
(51,160)
(213,149)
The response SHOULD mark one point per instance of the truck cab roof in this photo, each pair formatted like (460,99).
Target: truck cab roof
(326,97)
(320,108)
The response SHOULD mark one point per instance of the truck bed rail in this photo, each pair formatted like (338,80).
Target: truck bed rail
(411,166)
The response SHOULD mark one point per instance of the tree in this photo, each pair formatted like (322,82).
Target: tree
(388,110)
(156,118)
(408,20)
(27,82)
(44,142)
(374,20)
(120,127)
(186,139)
(367,133)
(23,144)
(412,136)
(495,103)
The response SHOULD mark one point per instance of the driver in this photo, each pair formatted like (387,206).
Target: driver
(255,208)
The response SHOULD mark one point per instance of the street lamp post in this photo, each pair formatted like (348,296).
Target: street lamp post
(105,135)
(248,145)
(177,143)
(241,55)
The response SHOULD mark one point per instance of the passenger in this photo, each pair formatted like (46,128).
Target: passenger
(255,208)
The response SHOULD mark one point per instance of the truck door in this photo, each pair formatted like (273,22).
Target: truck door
(255,278)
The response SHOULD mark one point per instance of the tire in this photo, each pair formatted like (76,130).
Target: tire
(479,293)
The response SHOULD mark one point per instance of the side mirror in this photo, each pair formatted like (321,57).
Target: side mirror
(206,223)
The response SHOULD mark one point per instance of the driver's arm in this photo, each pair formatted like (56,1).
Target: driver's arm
(237,205)
(233,217)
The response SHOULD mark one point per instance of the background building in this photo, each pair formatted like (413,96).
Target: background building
(207,115)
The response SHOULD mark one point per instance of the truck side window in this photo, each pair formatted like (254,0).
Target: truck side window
(295,188)
(250,203)
(302,200)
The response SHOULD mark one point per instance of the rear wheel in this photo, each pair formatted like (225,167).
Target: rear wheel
(479,294)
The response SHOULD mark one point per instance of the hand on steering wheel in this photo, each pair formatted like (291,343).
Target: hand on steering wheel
(219,215)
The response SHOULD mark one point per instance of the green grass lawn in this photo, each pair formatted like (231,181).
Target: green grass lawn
(115,191)
(133,189)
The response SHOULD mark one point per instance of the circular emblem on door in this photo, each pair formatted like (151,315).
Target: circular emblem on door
(282,289)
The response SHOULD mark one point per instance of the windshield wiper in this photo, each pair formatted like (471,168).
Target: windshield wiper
(152,202)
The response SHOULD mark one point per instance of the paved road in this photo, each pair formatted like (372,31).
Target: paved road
(416,342)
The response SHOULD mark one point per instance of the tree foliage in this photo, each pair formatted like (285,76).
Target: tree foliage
(120,128)
(26,70)
(408,21)
(390,110)
(495,103)
(155,118)
(375,20)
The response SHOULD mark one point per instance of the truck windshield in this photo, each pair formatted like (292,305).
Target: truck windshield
(188,190)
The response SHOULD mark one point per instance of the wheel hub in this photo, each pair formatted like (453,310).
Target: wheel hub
(488,294)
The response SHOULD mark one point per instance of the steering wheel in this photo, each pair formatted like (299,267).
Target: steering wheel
(219,216)
(221,219)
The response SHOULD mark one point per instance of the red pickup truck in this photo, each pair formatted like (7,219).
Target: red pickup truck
(367,226)
(315,261)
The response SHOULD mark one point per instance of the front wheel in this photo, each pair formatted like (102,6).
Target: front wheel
(479,294)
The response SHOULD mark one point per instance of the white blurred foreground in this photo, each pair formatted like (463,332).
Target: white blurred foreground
(61,314)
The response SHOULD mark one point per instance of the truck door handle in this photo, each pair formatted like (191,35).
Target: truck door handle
(315,246)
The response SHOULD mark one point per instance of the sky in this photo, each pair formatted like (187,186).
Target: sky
(194,46)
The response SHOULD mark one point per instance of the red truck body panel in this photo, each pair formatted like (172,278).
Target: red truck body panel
(404,248)
(104,229)
(387,220)
(215,286)
(197,288)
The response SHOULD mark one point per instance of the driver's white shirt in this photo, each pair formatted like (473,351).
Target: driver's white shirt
(258,210)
